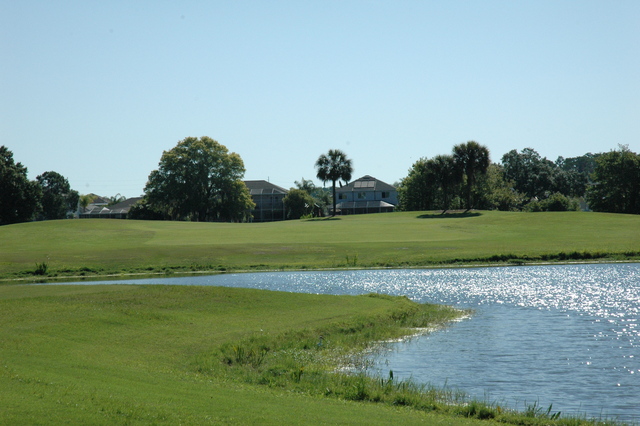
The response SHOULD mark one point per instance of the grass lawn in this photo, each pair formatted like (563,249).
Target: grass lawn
(88,247)
(134,354)
(195,355)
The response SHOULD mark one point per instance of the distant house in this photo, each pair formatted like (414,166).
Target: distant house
(116,211)
(366,195)
(96,201)
(269,200)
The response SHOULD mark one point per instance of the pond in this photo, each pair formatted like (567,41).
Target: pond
(562,334)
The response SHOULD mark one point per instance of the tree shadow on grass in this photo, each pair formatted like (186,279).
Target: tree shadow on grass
(449,214)
(322,219)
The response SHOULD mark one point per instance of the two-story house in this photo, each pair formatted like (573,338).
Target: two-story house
(269,200)
(366,195)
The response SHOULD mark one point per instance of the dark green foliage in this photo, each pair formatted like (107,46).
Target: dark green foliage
(478,410)
(57,196)
(199,180)
(531,174)
(143,210)
(579,171)
(546,257)
(524,181)
(494,192)
(616,187)
(539,179)
(472,161)
(560,203)
(298,203)
(585,165)
(321,196)
(41,269)
(18,196)
(416,192)
(446,181)
(557,202)
(334,167)
(432,184)
(446,178)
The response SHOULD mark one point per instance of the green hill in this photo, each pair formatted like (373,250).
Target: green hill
(88,247)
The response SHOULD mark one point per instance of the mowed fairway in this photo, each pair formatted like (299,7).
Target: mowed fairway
(129,355)
(71,247)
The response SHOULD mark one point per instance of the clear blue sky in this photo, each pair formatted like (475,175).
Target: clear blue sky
(96,90)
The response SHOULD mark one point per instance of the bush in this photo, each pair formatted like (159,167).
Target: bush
(298,203)
(557,202)
(560,203)
(143,210)
(41,269)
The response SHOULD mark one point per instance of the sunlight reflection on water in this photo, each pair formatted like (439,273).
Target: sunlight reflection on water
(566,335)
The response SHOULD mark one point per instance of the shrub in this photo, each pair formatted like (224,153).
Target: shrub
(557,202)
(560,203)
(41,269)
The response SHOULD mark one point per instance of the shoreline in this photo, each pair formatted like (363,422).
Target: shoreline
(46,279)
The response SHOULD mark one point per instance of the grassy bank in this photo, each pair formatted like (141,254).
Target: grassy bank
(90,247)
(128,355)
(201,355)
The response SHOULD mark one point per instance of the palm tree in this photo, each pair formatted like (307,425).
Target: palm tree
(446,177)
(118,198)
(472,159)
(334,166)
(85,200)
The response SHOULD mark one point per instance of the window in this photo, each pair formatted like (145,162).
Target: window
(342,196)
(362,195)
(385,194)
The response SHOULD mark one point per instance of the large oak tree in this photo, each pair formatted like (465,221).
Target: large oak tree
(57,196)
(616,187)
(199,180)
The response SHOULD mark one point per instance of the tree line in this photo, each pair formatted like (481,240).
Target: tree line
(467,179)
(48,197)
(200,180)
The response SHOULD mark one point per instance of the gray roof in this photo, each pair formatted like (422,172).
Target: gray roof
(366,183)
(259,187)
(119,208)
(124,206)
